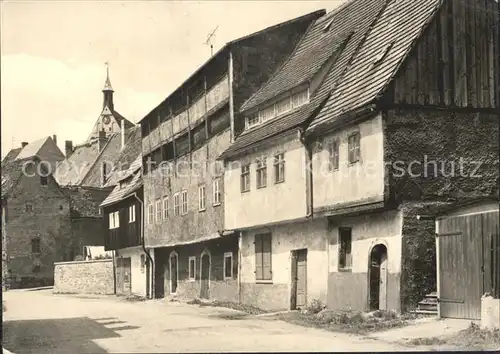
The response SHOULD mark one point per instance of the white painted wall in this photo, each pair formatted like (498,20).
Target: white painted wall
(294,236)
(368,231)
(350,183)
(274,203)
(138,274)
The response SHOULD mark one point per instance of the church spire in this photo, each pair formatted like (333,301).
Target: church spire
(107,91)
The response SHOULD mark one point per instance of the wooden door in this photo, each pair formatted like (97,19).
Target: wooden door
(205,277)
(460,266)
(383,282)
(119,277)
(299,282)
(127,275)
(159,278)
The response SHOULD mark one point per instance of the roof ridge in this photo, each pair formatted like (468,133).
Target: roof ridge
(278,70)
(335,11)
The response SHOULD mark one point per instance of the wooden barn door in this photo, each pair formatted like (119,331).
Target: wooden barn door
(119,277)
(460,266)
(299,279)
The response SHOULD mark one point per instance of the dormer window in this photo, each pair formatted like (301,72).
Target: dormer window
(279,108)
(382,54)
(328,25)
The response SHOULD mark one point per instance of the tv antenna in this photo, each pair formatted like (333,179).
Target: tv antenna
(209,41)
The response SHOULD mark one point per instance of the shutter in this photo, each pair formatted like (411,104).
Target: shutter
(258,257)
(266,257)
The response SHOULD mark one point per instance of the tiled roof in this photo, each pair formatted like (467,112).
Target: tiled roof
(347,26)
(85,201)
(74,169)
(129,183)
(109,154)
(400,24)
(311,53)
(32,149)
(11,171)
(127,156)
(119,118)
(269,129)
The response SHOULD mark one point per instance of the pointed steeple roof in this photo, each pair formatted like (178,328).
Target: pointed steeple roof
(107,84)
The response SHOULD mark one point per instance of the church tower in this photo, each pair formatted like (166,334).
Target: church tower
(109,121)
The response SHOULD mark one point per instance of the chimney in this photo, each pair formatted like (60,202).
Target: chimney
(123,133)
(68,147)
(102,140)
(23,144)
(54,137)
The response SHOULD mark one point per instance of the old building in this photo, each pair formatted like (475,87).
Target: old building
(195,254)
(371,88)
(124,214)
(35,214)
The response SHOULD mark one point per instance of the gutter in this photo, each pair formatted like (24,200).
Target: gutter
(144,247)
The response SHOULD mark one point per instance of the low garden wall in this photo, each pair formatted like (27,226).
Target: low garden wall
(84,277)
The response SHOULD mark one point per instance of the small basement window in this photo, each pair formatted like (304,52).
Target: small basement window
(228,265)
(345,241)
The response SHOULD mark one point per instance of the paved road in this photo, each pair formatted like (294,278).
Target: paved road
(40,322)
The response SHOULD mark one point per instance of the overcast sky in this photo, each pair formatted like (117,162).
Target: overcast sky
(53,55)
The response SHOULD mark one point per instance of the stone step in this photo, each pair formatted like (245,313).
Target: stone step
(427,307)
(425,312)
(430,301)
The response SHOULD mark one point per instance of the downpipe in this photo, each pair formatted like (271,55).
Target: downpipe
(151,276)
(309,173)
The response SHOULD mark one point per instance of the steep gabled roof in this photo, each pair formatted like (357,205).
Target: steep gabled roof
(74,169)
(376,61)
(109,155)
(36,149)
(11,171)
(127,156)
(334,36)
(130,182)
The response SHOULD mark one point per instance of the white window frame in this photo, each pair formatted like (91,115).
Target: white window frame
(202,196)
(165,208)
(354,149)
(193,278)
(279,163)
(261,172)
(114,220)
(228,255)
(131,213)
(151,212)
(177,208)
(245,182)
(158,211)
(333,155)
(184,202)
(216,192)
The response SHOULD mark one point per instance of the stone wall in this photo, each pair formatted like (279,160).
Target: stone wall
(87,277)
(490,312)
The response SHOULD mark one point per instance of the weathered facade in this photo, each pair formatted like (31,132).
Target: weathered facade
(195,253)
(35,215)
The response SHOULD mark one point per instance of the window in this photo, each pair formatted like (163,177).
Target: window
(333,156)
(184,202)
(35,245)
(150,213)
(261,172)
(176,204)
(192,268)
(300,98)
(201,198)
(44,180)
(228,265)
(279,168)
(165,208)
(328,25)
(267,113)
(245,178)
(158,210)
(263,257)
(114,220)
(353,147)
(29,208)
(252,120)
(131,213)
(345,256)
(283,106)
(216,191)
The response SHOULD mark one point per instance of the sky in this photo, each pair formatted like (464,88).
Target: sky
(53,55)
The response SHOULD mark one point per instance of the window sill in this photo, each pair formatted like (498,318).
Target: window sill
(346,270)
(261,187)
(228,278)
(217,204)
(191,280)
(263,281)
(349,164)
(201,210)
(279,182)
(245,191)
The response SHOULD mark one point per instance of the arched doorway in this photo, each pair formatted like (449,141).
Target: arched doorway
(174,272)
(378,278)
(205,275)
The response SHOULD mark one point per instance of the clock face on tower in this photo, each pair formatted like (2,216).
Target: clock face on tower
(106,120)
